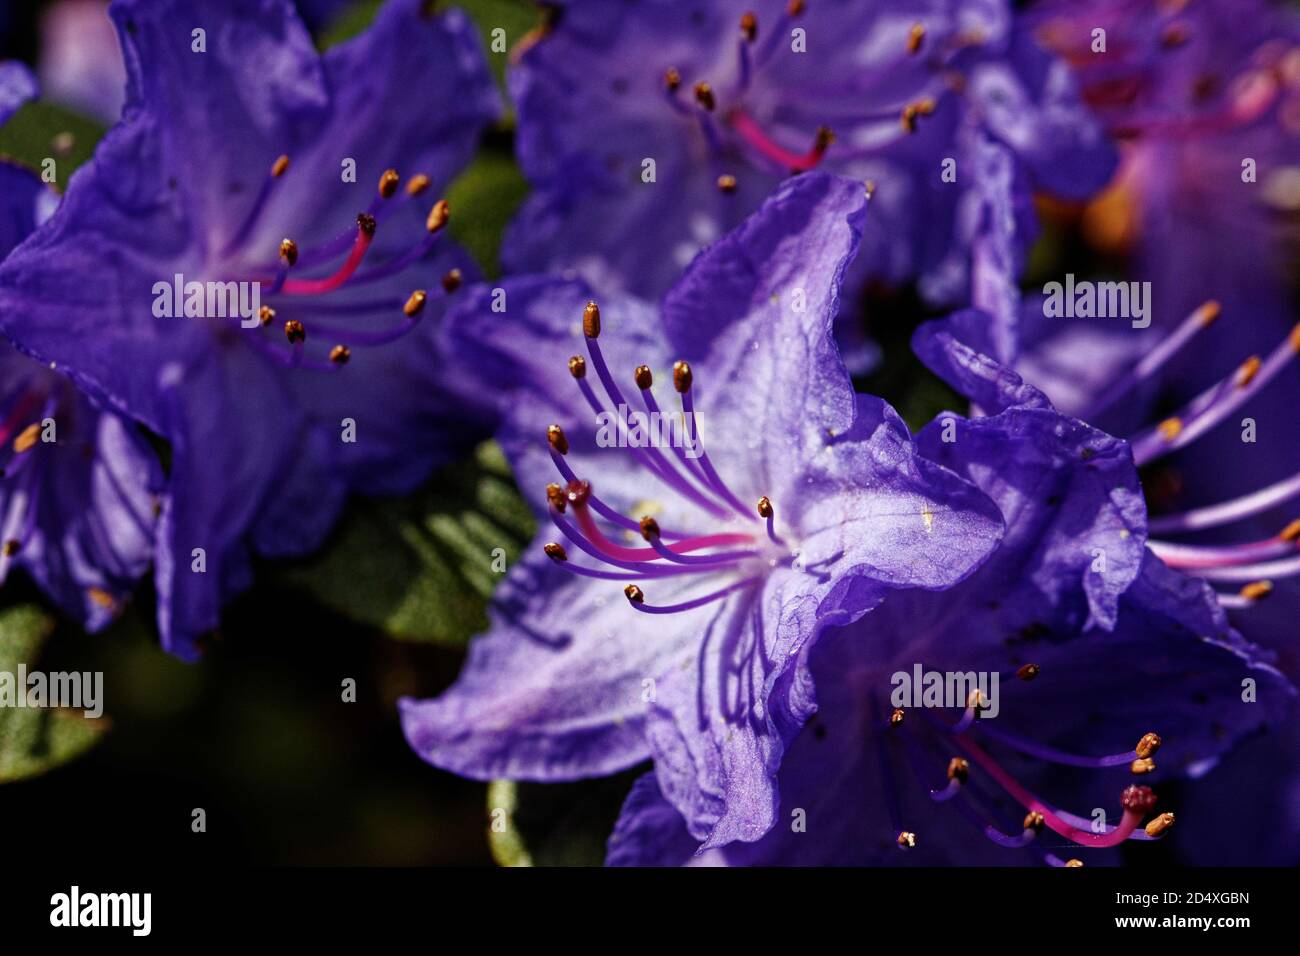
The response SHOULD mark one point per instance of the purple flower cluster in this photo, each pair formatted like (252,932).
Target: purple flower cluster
(826,638)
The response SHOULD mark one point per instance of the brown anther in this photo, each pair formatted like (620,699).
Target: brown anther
(1209,311)
(340,354)
(1170,428)
(1159,825)
(1148,745)
(1174,35)
(266,315)
(914,38)
(823,140)
(555,497)
(591,320)
(1291,532)
(417,184)
(795,7)
(907,840)
(26,439)
(727,183)
(415,303)
(289,251)
(578,367)
(578,492)
(704,96)
(366,223)
(1034,821)
(1257,590)
(1137,798)
(388,183)
(896,718)
(1142,765)
(641,375)
(1074,863)
(280,166)
(1027,672)
(555,437)
(749,27)
(295,332)
(1294,338)
(451,281)
(555,552)
(634,594)
(101,597)
(682,377)
(1247,372)
(958,769)
(438,215)
(11,547)
(922,107)
(975,699)
(765,507)
(672,79)
(649,528)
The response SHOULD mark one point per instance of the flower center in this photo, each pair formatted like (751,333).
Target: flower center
(735,549)
(303,285)
(965,791)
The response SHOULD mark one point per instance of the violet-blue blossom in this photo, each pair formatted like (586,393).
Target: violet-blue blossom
(681,579)
(649,129)
(76,483)
(1115,673)
(246,161)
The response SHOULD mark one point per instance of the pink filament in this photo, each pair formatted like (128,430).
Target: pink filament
(588,525)
(753,134)
(1026,799)
(330,283)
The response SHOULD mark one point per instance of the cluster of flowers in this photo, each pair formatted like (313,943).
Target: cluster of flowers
(733,614)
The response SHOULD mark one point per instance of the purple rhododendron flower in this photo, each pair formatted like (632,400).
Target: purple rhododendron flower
(703,664)
(76,483)
(236,142)
(726,103)
(1090,658)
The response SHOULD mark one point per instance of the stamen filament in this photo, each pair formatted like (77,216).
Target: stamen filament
(1212,516)
(696,602)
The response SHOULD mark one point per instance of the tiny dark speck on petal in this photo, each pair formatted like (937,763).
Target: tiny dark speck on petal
(819,731)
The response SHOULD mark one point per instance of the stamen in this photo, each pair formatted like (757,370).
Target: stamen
(753,134)
(1288,567)
(388,183)
(727,183)
(1212,516)
(1200,318)
(417,184)
(749,27)
(365,235)
(295,332)
(1137,801)
(1027,672)
(1159,825)
(922,107)
(451,281)
(240,235)
(638,601)
(672,79)
(907,840)
(1196,557)
(340,354)
(704,96)
(683,378)
(914,38)
(765,510)
(1215,404)
(289,252)
(1051,754)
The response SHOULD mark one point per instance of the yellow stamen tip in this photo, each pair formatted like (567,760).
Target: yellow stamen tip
(280,166)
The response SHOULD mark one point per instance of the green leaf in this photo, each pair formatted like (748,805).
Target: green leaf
(41,131)
(421,568)
(554,824)
(482,200)
(34,740)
